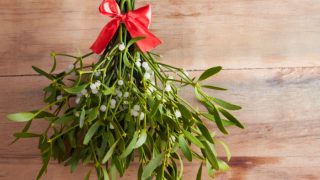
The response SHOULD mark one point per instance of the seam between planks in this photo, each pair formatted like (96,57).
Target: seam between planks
(197,70)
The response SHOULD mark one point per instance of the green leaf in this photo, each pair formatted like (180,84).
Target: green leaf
(53,55)
(199,174)
(142,139)
(225,104)
(211,108)
(113,172)
(151,166)
(211,156)
(21,117)
(198,94)
(193,139)
(43,73)
(223,166)
(231,118)
(210,72)
(87,177)
(93,114)
(76,89)
(82,116)
(210,170)
(26,135)
(226,149)
(105,173)
(91,132)
(214,87)
(126,60)
(134,40)
(205,132)
(108,90)
(184,111)
(110,152)
(25,129)
(131,146)
(42,114)
(64,119)
(45,163)
(154,108)
(225,123)
(185,148)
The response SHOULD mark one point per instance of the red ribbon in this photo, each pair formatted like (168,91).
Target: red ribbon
(136,21)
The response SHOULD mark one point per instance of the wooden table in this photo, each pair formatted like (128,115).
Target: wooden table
(269,49)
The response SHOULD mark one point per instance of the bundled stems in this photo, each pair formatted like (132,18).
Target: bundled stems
(128,104)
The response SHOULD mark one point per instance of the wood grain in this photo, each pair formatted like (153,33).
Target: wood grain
(243,168)
(196,33)
(269,49)
(281,135)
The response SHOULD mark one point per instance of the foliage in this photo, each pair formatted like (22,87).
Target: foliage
(126,106)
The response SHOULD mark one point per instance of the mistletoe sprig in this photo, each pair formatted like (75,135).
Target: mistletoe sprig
(126,107)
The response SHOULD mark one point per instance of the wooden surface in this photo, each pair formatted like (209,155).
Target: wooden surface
(270,51)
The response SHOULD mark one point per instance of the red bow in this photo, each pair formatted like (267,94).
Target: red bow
(136,21)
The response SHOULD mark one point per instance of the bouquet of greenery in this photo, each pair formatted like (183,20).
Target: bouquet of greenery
(126,107)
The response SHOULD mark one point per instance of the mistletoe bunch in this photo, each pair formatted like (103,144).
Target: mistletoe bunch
(126,107)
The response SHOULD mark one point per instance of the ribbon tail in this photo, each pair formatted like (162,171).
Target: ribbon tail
(136,29)
(105,36)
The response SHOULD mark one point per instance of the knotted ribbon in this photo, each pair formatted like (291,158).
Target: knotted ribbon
(137,22)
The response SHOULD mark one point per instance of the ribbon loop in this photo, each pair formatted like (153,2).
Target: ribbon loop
(137,22)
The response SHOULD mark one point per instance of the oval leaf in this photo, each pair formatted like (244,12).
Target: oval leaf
(43,73)
(214,87)
(205,132)
(142,139)
(199,174)
(91,132)
(82,116)
(76,89)
(26,135)
(130,147)
(226,149)
(184,111)
(211,108)
(134,40)
(185,148)
(225,104)
(210,72)
(193,139)
(21,117)
(231,118)
(109,153)
(151,166)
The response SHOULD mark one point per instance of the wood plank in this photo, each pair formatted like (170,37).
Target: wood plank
(243,168)
(196,33)
(280,111)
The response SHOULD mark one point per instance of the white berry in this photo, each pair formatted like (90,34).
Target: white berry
(145,65)
(141,116)
(98,83)
(168,88)
(177,114)
(120,82)
(136,107)
(59,97)
(103,108)
(95,91)
(93,86)
(147,76)
(78,100)
(122,47)
(138,64)
(84,92)
(126,95)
